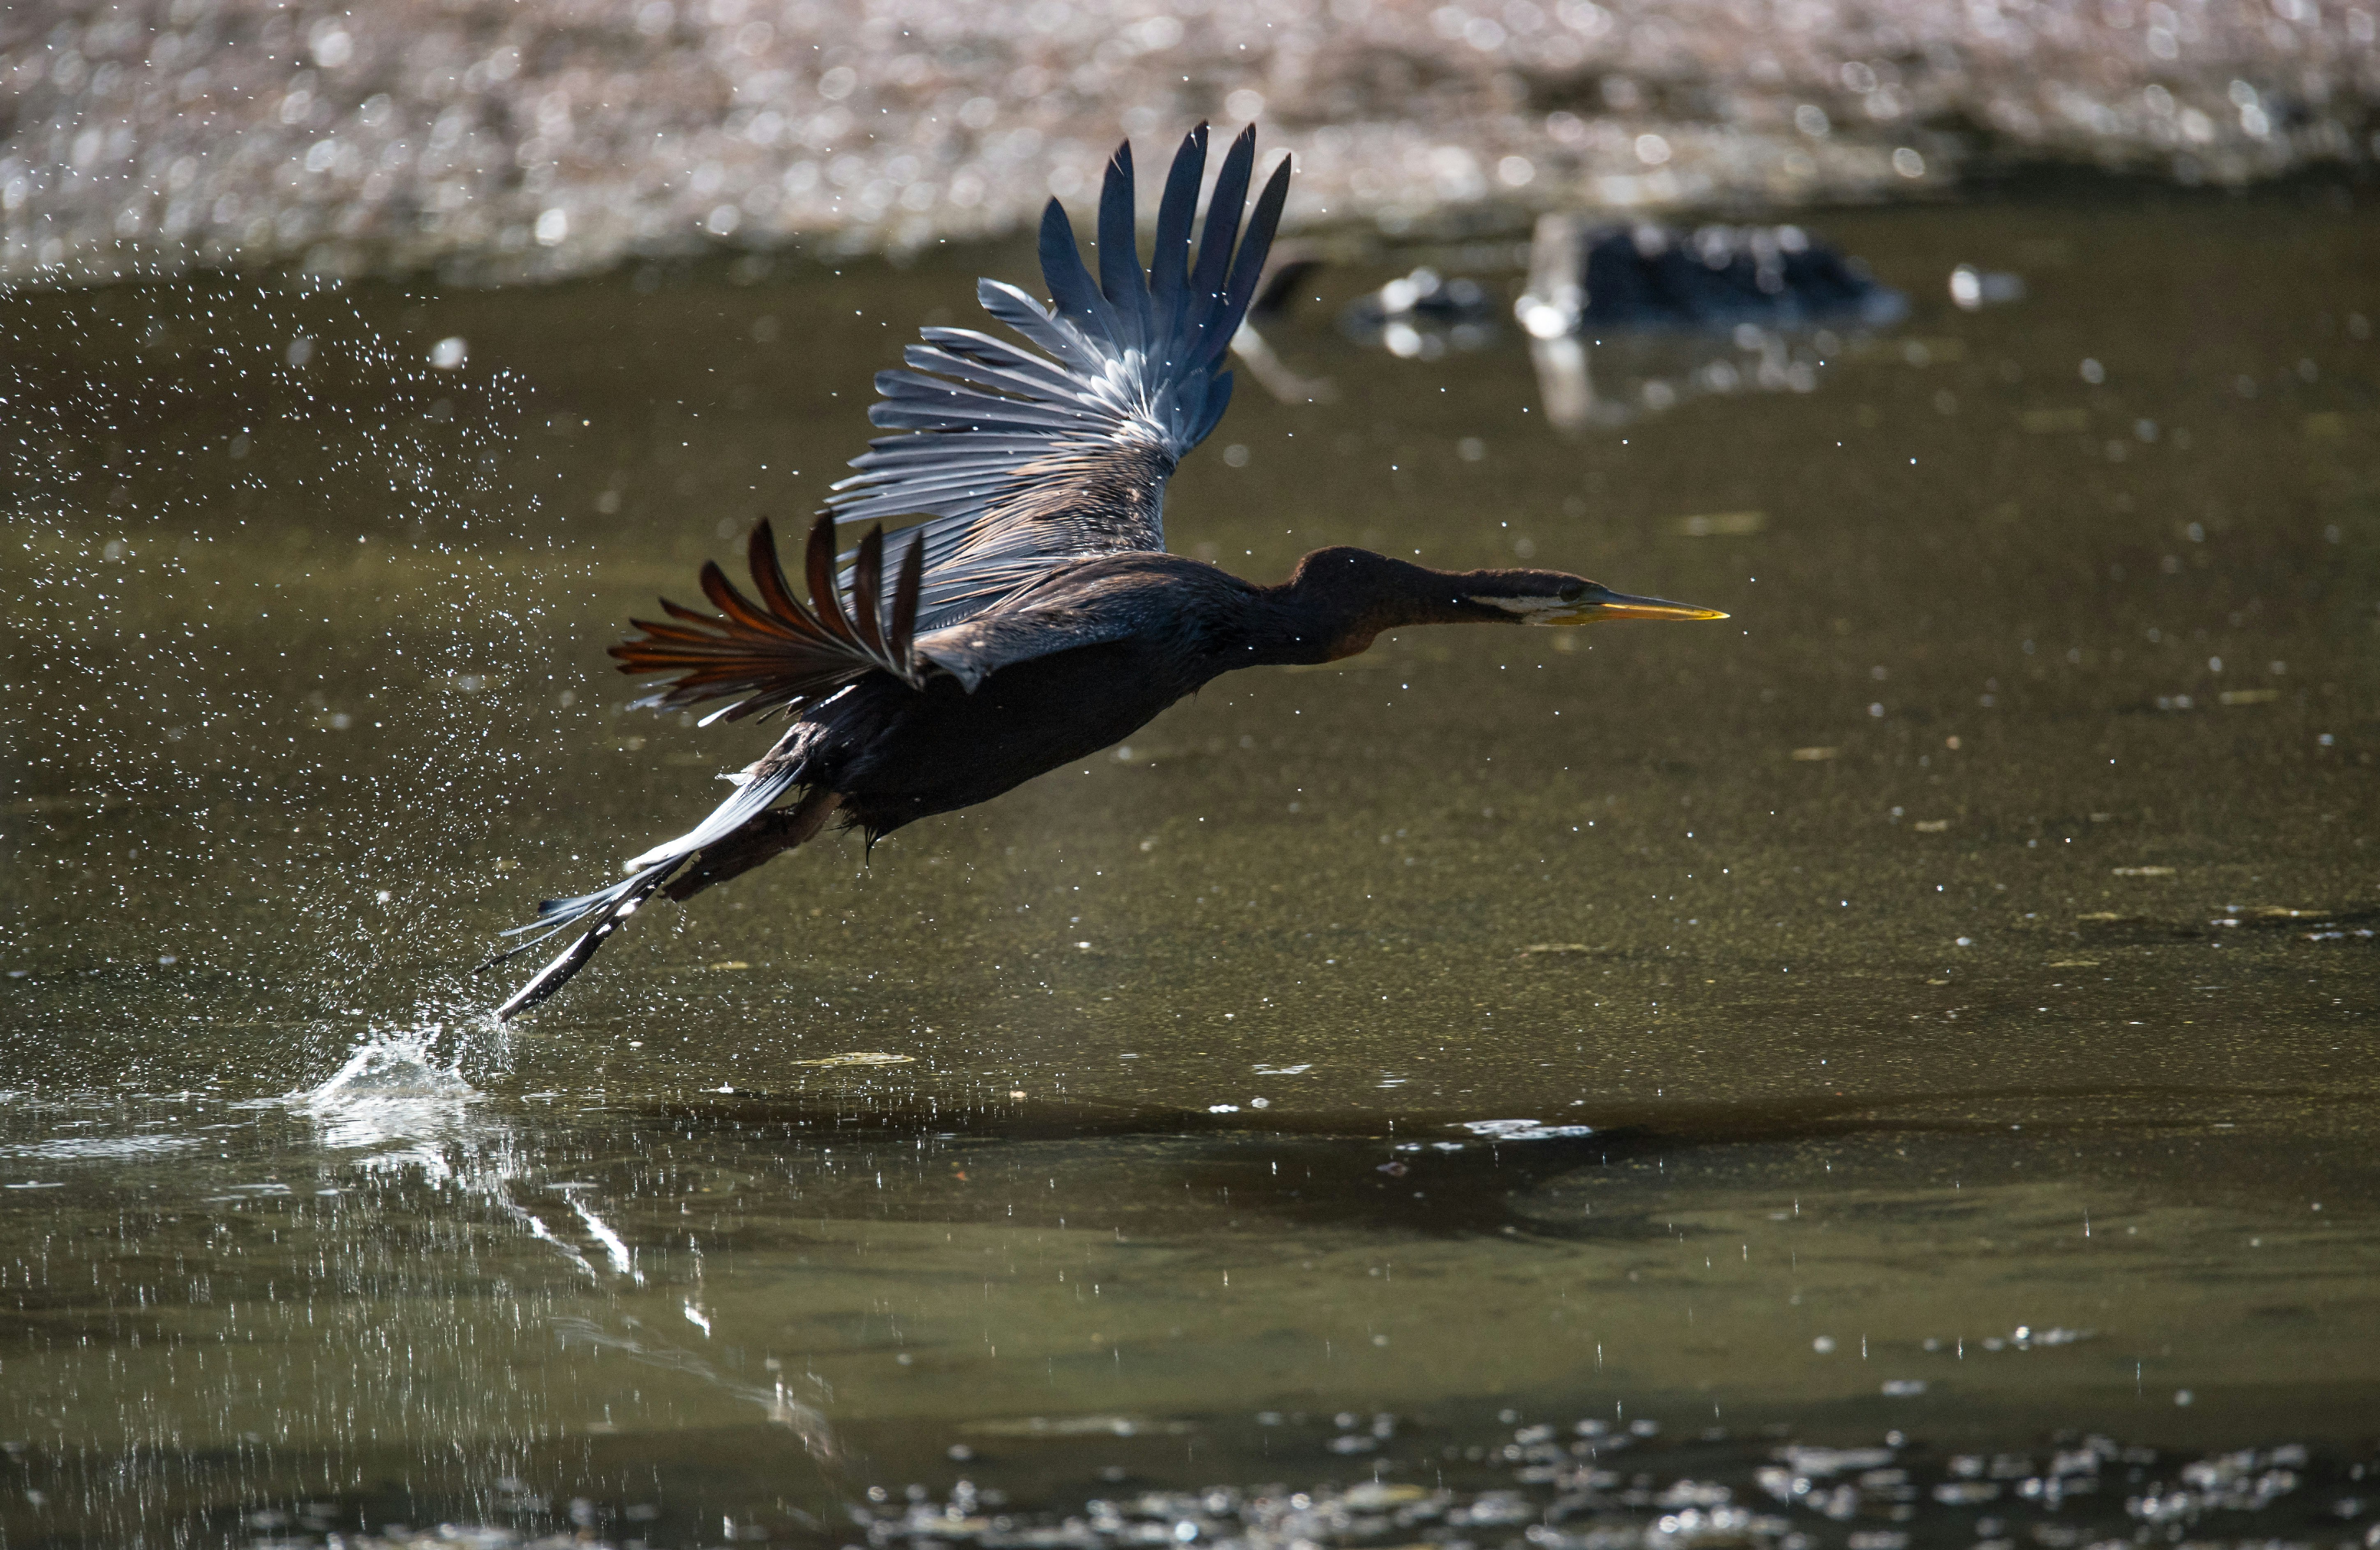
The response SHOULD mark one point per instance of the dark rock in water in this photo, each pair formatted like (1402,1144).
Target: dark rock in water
(1609,279)
(1717,276)
(1674,314)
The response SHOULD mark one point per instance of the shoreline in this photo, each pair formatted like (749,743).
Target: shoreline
(555,139)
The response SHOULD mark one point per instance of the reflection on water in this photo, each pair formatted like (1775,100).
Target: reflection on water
(1901,1016)
(764,1311)
(1625,322)
(1607,383)
(1628,322)
(1418,316)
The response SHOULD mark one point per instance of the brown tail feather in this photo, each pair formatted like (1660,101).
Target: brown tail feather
(768,576)
(777,651)
(820,563)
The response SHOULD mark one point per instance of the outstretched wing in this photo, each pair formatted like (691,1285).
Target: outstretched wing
(777,652)
(1022,459)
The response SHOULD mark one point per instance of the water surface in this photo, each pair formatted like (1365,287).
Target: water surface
(1934,1002)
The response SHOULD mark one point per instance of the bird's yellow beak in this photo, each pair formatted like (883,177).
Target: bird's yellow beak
(1596,605)
(1602,604)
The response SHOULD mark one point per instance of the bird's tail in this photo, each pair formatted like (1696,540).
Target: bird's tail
(600,912)
(597,915)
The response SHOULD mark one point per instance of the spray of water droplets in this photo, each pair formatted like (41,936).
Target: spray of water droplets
(275,582)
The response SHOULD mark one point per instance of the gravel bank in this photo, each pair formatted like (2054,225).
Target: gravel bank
(505,141)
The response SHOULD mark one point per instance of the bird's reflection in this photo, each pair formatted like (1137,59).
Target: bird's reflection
(404,1116)
(398,1112)
(776,1403)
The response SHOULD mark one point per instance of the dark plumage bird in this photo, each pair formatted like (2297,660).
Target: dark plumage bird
(1034,617)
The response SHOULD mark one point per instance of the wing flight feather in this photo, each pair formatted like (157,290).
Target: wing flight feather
(1021,460)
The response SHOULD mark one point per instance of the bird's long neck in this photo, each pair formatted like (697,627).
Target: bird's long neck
(1339,599)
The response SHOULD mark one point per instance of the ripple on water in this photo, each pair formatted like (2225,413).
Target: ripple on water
(112,1149)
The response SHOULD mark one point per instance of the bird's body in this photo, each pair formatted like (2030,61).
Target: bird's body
(899,755)
(1035,618)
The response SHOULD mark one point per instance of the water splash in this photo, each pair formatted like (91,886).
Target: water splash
(393,1088)
(409,1110)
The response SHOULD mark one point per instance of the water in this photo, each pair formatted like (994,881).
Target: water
(1928,1013)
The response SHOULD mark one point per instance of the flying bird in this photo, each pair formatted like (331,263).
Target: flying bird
(1034,616)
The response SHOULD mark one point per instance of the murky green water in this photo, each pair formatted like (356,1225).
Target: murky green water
(1941,997)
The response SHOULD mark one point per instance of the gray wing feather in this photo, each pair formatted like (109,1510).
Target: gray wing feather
(1021,460)
(971,652)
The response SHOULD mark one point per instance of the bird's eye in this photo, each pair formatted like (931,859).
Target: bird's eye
(1571,591)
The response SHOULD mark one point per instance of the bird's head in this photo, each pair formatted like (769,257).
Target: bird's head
(1375,584)
(1554,597)
(1348,596)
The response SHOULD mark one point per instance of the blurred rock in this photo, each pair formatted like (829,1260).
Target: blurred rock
(552,137)
(1421,313)
(1585,278)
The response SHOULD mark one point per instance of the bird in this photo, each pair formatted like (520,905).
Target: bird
(1033,615)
